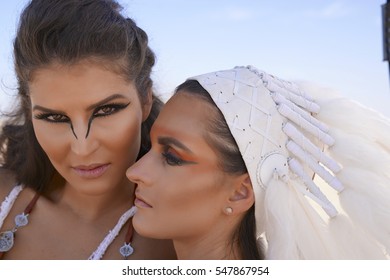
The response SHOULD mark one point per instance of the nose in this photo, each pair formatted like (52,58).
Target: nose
(82,145)
(140,172)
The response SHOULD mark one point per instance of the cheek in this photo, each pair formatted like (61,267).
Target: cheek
(124,137)
(189,204)
(191,199)
(191,186)
(52,139)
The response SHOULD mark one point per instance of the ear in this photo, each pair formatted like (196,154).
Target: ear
(242,196)
(147,105)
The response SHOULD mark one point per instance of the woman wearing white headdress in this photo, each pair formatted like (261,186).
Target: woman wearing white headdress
(248,166)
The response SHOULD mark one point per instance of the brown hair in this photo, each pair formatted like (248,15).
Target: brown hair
(230,161)
(67,31)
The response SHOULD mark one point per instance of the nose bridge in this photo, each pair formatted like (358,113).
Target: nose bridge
(143,170)
(82,145)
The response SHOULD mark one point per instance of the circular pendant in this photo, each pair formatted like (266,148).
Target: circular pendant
(6,241)
(21,220)
(126,250)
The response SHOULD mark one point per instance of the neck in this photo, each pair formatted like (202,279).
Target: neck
(91,207)
(217,245)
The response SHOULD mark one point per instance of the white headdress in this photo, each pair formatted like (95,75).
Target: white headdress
(284,141)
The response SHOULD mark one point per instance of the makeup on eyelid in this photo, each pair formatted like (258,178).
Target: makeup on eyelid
(174,157)
(51,113)
(53,116)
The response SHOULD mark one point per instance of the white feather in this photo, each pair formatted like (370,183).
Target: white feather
(293,229)
(362,147)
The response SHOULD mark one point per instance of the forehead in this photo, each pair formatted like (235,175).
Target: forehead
(185,118)
(82,81)
(118,66)
(185,113)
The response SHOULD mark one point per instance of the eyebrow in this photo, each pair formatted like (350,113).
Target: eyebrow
(167,141)
(47,110)
(106,100)
(91,107)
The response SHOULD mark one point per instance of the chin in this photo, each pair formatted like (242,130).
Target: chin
(93,188)
(145,229)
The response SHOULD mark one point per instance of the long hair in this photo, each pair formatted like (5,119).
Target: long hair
(68,31)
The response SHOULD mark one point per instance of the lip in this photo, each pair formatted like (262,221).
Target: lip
(141,203)
(91,171)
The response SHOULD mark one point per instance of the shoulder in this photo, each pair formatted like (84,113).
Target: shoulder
(7,182)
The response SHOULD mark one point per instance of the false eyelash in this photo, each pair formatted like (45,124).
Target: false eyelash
(116,106)
(171,159)
(45,117)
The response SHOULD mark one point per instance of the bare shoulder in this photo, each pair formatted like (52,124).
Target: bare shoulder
(7,182)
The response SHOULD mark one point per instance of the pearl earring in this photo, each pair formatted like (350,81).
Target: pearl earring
(229,210)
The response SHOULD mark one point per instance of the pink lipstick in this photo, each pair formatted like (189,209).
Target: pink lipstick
(141,203)
(91,171)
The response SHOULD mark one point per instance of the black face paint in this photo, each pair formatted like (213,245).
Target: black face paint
(89,126)
(113,108)
(71,127)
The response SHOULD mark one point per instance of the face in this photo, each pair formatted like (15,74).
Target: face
(87,119)
(180,191)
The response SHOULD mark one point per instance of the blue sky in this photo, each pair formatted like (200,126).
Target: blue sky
(336,44)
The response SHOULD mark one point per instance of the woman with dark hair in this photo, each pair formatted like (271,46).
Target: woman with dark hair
(86,105)
(234,168)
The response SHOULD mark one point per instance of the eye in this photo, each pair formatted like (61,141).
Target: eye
(109,109)
(172,158)
(55,118)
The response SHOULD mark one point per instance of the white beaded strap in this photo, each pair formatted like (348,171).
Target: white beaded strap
(287,112)
(290,86)
(292,132)
(280,99)
(314,165)
(314,191)
(98,254)
(302,101)
(8,202)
